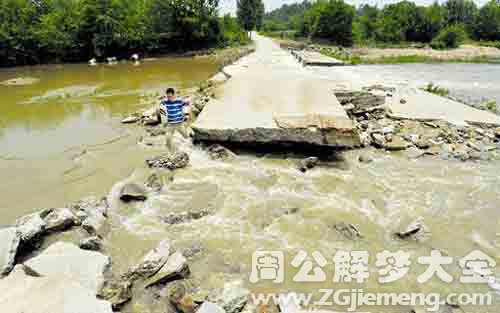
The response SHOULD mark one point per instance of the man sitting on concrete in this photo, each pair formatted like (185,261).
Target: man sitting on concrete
(173,108)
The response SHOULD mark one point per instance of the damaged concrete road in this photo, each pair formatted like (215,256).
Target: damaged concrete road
(284,105)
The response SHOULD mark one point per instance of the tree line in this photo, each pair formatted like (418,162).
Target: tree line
(443,25)
(39,31)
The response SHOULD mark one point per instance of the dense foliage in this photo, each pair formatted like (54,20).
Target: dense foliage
(70,30)
(395,23)
(250,13)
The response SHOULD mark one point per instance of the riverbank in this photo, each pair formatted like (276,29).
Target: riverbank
(370,55)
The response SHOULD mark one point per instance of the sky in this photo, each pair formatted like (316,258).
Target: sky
(229,6)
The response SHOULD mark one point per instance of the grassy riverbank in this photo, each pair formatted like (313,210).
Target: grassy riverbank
(400,54)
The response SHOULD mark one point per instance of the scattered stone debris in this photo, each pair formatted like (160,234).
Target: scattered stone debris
(133,192)
(308,164)
(192,251)
(175,268)
(185,217)
(431,138)
(218,152)
(347,231)
(169,161)
(93,243)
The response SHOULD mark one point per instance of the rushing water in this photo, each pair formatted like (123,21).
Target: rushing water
(57,149)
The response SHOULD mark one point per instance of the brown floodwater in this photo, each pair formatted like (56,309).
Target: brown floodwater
(61,140)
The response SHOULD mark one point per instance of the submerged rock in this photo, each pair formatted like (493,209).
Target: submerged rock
(133,192)
(65,260)
(93,243)
(9,243)
(414,230)
(347,230)
(154,182)
(59,219)
(184,217)
(308,164)
(365,158)
(23,293)
(218,152)
(175,268)
(170,161)
(151,263)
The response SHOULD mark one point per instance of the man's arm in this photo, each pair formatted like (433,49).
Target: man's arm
(187,100)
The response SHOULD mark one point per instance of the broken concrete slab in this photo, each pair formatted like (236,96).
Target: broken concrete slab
(22,293)
(424,106)
(68,262)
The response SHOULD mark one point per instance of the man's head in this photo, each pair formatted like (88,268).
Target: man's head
(170,93)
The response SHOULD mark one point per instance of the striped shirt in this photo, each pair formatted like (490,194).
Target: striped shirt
(174,110)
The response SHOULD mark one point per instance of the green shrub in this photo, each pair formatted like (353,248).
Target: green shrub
(450,37)
(443,92)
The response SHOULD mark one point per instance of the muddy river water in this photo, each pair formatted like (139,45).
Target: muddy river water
(61,140)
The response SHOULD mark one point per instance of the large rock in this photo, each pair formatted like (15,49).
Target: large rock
(117,292)
(66,261)
(175,268)
(30,228)
(170,161)
(9,242)
(59,219)
(133,192)
(21,293)
(308,163)
(151,263)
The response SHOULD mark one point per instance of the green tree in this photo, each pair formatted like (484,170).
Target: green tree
(487,25)
(250,13)
(461,12)
(334,22)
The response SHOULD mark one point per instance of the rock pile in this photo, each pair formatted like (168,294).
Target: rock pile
(419,138)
